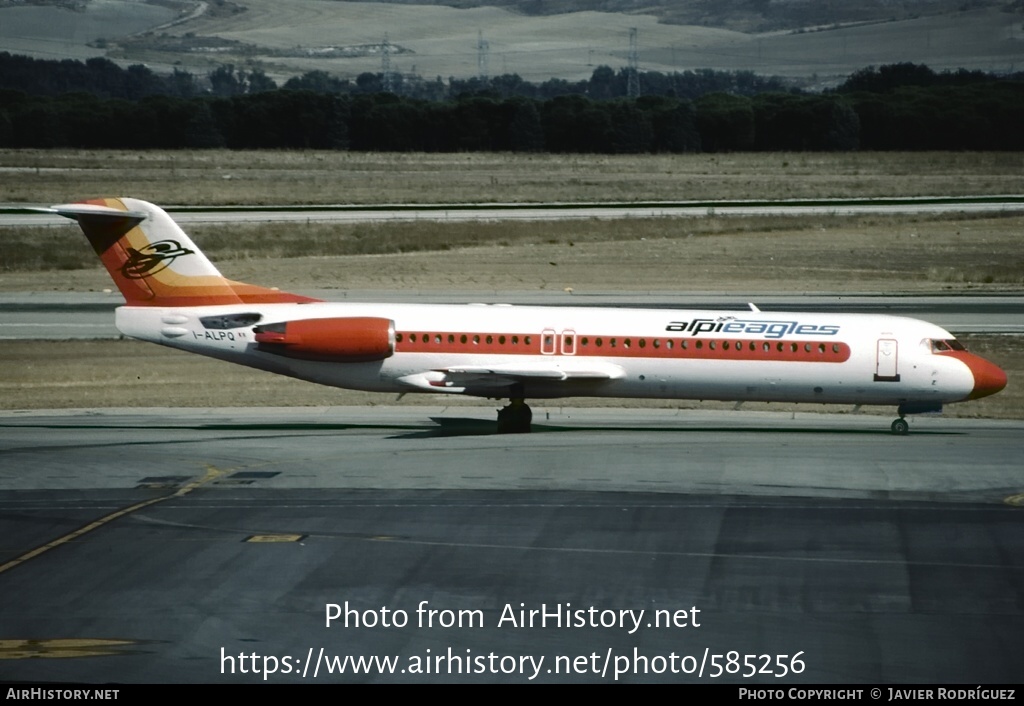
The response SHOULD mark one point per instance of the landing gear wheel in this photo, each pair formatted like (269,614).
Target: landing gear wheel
(900,427)
(515,418)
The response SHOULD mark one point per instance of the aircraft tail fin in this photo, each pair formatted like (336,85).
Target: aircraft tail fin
(153,262)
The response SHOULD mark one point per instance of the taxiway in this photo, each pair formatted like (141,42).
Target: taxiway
(150,545)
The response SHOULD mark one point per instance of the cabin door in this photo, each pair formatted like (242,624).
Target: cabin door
(887,361)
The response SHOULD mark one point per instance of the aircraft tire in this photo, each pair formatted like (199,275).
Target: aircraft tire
(515,419)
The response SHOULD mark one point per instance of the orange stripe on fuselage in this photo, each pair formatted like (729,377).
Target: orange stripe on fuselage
(622,346)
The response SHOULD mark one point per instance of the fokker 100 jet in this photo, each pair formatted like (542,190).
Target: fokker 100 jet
(174,296)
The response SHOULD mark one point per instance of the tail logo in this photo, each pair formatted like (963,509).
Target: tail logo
(152,258)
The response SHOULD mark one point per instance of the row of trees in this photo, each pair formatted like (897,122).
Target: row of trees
(902,106)
(102,77)
(976,117)
(96,76)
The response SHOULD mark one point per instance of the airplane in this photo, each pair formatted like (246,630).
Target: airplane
(174,296)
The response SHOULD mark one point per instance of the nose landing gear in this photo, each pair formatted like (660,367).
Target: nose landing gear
(900,427)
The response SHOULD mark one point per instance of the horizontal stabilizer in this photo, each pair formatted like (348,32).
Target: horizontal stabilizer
(102,224)
(78,211)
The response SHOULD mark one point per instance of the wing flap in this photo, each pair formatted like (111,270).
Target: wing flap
(429,381)
(540,371)
(459,378)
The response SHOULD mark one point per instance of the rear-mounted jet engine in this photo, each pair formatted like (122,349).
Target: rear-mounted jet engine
(353,339)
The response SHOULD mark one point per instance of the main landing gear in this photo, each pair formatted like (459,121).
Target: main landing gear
(515,418)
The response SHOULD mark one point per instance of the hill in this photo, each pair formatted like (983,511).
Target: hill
(818,41)
(749,16)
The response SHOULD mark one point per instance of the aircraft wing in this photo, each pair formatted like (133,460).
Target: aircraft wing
(458,378)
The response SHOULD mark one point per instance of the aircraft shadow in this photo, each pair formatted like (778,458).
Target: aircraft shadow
(459,426)
(468,426)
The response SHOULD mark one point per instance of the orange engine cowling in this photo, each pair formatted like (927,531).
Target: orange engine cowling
(350,339)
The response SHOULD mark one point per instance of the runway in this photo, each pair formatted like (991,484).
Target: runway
(190,545)
(17,215)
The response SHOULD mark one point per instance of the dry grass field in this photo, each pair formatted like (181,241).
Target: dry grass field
(892,255)
(884,253)
(745,256)
(222,177)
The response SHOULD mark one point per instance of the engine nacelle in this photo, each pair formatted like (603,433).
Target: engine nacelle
(350,339)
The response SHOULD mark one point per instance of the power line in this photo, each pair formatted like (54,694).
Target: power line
(385,65)
(633,82)
(483,50)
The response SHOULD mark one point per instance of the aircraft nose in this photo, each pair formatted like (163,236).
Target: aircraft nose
(989,378)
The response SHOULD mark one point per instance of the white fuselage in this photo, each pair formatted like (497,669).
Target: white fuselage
(545,352)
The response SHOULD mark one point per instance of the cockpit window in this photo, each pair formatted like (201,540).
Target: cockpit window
(950,344)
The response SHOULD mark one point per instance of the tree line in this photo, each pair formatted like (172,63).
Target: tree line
(102,77)
(899,107)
